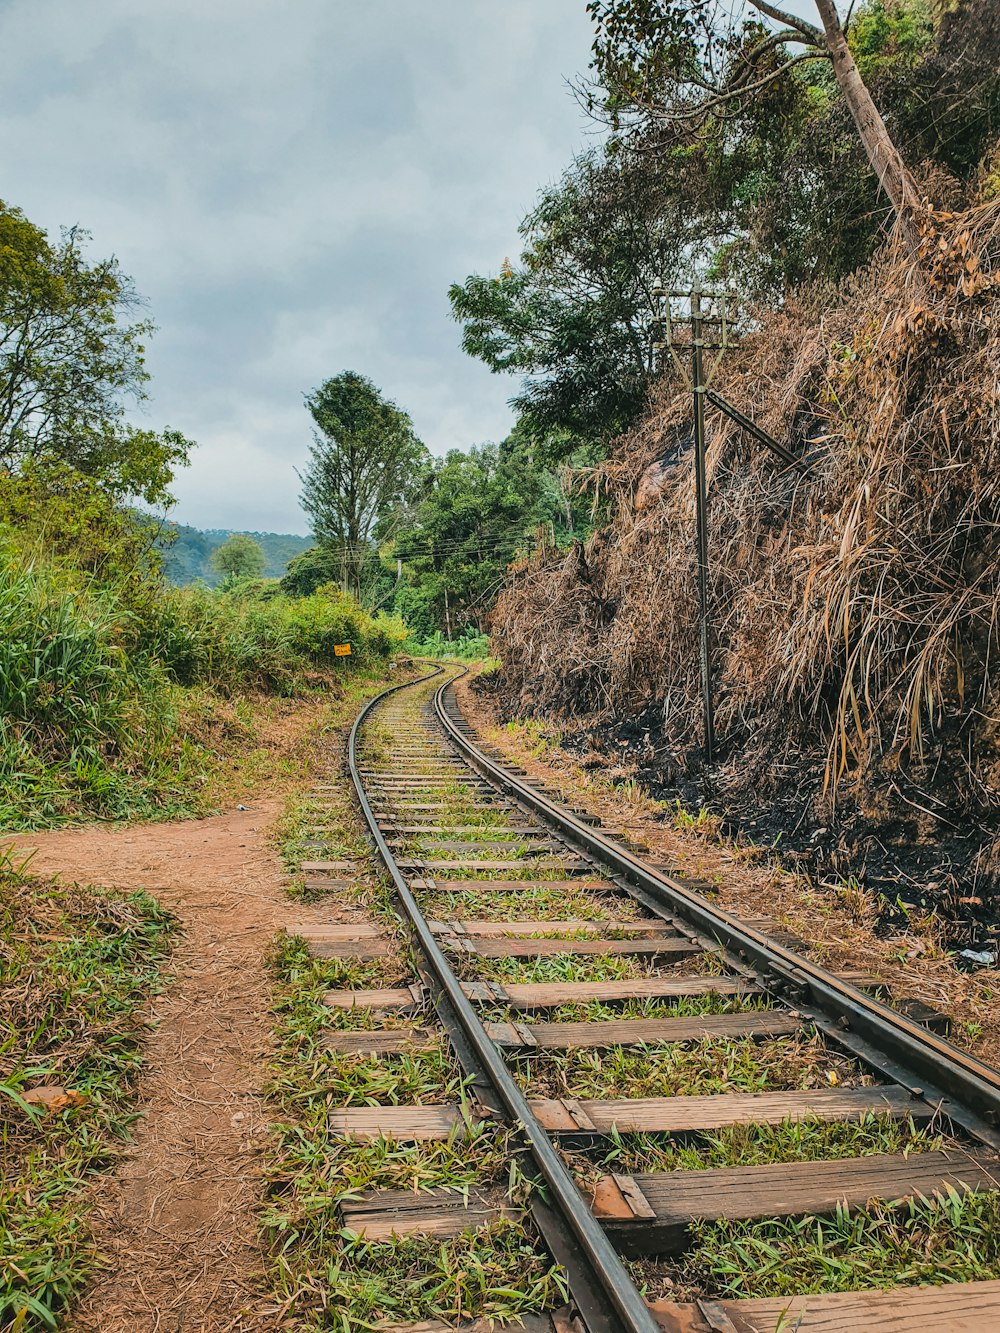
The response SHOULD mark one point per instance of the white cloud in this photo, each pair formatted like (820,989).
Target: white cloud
(293,187)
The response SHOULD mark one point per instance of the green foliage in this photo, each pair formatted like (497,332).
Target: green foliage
(311,570)
(94,650)
(51,510)
(778,190)
(78,968)
(241,639)
(365,461)
(954,1238)
(573,316)
(186,553)
(84,722)
(469,647)
(71,357)
(775,193)
(239,557)
(479,511)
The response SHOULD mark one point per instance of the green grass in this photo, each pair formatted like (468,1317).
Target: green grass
(332,1278)
(559,967)
(684,1006)
(77,968)
(671,1070)
(807,1140)
(951,1239)
(526,905)
(495,1273)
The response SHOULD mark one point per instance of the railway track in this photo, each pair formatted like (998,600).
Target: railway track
(492,876)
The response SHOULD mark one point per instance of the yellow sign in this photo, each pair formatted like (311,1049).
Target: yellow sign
(342,649)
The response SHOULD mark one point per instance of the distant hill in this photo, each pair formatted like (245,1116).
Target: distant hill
(188,557)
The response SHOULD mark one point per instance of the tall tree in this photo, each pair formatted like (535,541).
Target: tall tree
(698,61)
(71,358)
(365,460)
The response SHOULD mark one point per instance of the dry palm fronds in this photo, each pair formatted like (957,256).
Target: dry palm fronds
(856,609)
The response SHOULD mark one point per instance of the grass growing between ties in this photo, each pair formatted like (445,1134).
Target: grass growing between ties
(333,1278)
(76,968)
(717,1065)
(537,904)
(763,1145)
(954,1238)
(324,825)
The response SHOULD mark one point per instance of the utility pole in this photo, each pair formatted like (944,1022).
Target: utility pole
(699,388)
(708,319)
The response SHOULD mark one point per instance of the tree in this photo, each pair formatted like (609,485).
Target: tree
(573,316)
(239,557)
(481,510)
(692,61)
(310,570)
(365,461)
(71,357)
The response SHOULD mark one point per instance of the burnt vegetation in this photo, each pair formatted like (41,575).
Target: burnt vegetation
(854,608)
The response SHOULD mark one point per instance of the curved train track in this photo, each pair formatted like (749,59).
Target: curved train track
(453,825)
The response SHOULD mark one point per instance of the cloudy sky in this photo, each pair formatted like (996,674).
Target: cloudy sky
(293,187)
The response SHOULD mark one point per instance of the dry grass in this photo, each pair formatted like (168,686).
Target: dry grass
(837,919)
(856,610)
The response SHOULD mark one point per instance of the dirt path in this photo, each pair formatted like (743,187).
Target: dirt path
(176,1222)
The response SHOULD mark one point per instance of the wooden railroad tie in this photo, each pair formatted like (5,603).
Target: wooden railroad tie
(566,1117)
(582,885)
(640,1031)
(961,1307)
(361,941)
(382,1041)
(652,1214)
(382,1214)
(467,828)
(386,1000)
(567,865)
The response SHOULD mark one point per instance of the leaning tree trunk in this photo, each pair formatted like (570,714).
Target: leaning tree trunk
(883,155)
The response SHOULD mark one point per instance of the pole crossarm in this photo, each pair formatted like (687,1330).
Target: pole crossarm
(758,432)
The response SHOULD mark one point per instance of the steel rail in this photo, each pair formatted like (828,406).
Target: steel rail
(962,1087)
(626,1307)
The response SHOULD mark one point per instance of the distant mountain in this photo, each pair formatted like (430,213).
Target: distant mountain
(188,557)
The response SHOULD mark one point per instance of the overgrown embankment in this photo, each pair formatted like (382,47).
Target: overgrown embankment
(119,696)
(854,610)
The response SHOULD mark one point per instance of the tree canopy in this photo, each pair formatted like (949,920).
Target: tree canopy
(239,557)
(478,512)
(72,346)
(699,74)
(572,316)
(729,158)
(364,462)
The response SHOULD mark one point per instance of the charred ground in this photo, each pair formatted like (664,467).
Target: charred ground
(855,610)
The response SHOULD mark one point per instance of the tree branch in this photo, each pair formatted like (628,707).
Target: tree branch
(812,34)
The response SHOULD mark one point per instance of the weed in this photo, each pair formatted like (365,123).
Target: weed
(954,1238)
(78,967)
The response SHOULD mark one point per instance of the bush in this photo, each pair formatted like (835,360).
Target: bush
(255,638)
(83,721)
(91,674)
(470,647)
